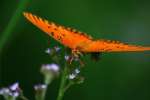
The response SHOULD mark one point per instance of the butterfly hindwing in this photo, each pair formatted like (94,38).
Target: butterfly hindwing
(111,46)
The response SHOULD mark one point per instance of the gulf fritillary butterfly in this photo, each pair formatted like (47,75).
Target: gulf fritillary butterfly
(80,41)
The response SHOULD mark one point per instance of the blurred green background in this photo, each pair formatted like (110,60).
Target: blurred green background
(117,76)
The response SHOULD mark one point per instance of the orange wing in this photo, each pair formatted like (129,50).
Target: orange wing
(77,40)
(67,36)
(111,46)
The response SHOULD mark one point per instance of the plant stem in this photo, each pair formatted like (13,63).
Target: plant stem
(24,98)
(10,98)
(41,94)
(12,23)
(22,95)
(68,86)
(62,84)
(44,94)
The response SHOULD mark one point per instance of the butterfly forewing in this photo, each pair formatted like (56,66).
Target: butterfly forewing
(67,36)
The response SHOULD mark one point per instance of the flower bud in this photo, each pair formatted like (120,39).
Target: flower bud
(40,87)
(40,91)
(50,71)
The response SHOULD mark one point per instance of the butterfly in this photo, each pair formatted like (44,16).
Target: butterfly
(78,41)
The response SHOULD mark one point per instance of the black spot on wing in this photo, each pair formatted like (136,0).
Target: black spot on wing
(52,33)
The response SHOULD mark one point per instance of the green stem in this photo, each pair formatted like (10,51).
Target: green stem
(68,86)
(12,23)
(41,95)
(10,98)
(24,98)
(22,95)
(44,94)
(62,84)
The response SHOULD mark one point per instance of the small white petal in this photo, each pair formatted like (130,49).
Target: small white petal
(66,57)
(15,94)
(14,86)
(54,67)
(48,51)
(57,48)
(1,91)
(51,67)
(72,76)
(41,86)
(77,71)
(4,91)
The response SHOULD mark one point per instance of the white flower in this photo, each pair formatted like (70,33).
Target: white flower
(4,91)
(77,71)
(52,50)
(57,48)
(15,94)
(67,57)
(50,67)
(14,87)
(48,50)
(13,91)
(40,87)
(72,76)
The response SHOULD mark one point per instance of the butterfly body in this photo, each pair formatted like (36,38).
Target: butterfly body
(79,41)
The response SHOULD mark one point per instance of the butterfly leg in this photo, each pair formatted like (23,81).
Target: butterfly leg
(96,56)
(76,54)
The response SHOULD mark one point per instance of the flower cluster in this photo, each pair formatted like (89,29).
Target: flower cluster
(51,51)
(12,91)
(74,74)
(70,75)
